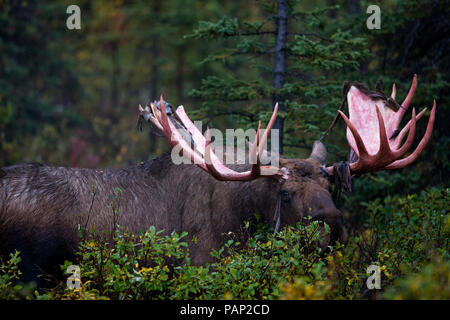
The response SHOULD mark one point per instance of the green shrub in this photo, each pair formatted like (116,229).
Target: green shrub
(144,266)
(407,237)
(9,275)
(11,288)
(153,266)
(407,231)
(267,262)
(432,282)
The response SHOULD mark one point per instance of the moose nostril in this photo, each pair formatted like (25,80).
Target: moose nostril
(335,220)
(338,232)
(343,237)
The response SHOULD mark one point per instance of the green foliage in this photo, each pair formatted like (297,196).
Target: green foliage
(127,52)
(225,27)
(406,237)
(314,48)
(35,57)
(153,266)
(9,274)
(83,85)
(431,283)
(144,266)
(268,261)
(341,50)
(415,226)
(10,286)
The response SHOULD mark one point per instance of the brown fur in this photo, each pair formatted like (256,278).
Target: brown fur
(42,206)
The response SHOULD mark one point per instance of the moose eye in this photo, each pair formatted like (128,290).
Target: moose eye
(285,196)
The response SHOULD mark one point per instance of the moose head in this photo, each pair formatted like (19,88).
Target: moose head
(303,185)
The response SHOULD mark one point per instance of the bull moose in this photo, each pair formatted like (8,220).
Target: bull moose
(42,206)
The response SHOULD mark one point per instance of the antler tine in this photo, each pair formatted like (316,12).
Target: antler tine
(268,128)
(405,105)
(405,129)
(384,143)
(394,91)
(164,121)
(420,147)
(410,95)
(362,152)
(196,135)
(150,116)
(409,141)
(254,150)
(223,173)
(155,110)
(174,137)
(209,162)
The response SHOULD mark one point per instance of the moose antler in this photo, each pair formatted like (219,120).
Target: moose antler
(372,112)
(202,154)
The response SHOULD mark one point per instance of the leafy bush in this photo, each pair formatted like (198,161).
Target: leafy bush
(268,261)
(144,266)
(9,275)
(406,237)
(407,231)
(432,282)
(153,266)
(10,286)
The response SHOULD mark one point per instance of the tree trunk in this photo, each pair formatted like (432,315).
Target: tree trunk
(180,74)
(156,8)
(115,75)
(154,69)
(280,62)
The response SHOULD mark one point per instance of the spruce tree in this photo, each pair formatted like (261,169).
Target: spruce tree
(282,54)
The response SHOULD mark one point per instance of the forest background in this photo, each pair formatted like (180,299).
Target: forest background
(70,97)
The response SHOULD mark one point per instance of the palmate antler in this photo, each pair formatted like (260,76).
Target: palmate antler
(202,154)
(372,135)
(372,127)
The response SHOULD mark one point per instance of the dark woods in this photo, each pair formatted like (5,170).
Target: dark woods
(68,99)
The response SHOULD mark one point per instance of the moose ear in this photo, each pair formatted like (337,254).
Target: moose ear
(319,152)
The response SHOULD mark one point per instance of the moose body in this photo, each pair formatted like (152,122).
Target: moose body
(42,207)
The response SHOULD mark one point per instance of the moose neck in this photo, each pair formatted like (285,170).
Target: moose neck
(235,201)
(261,196)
